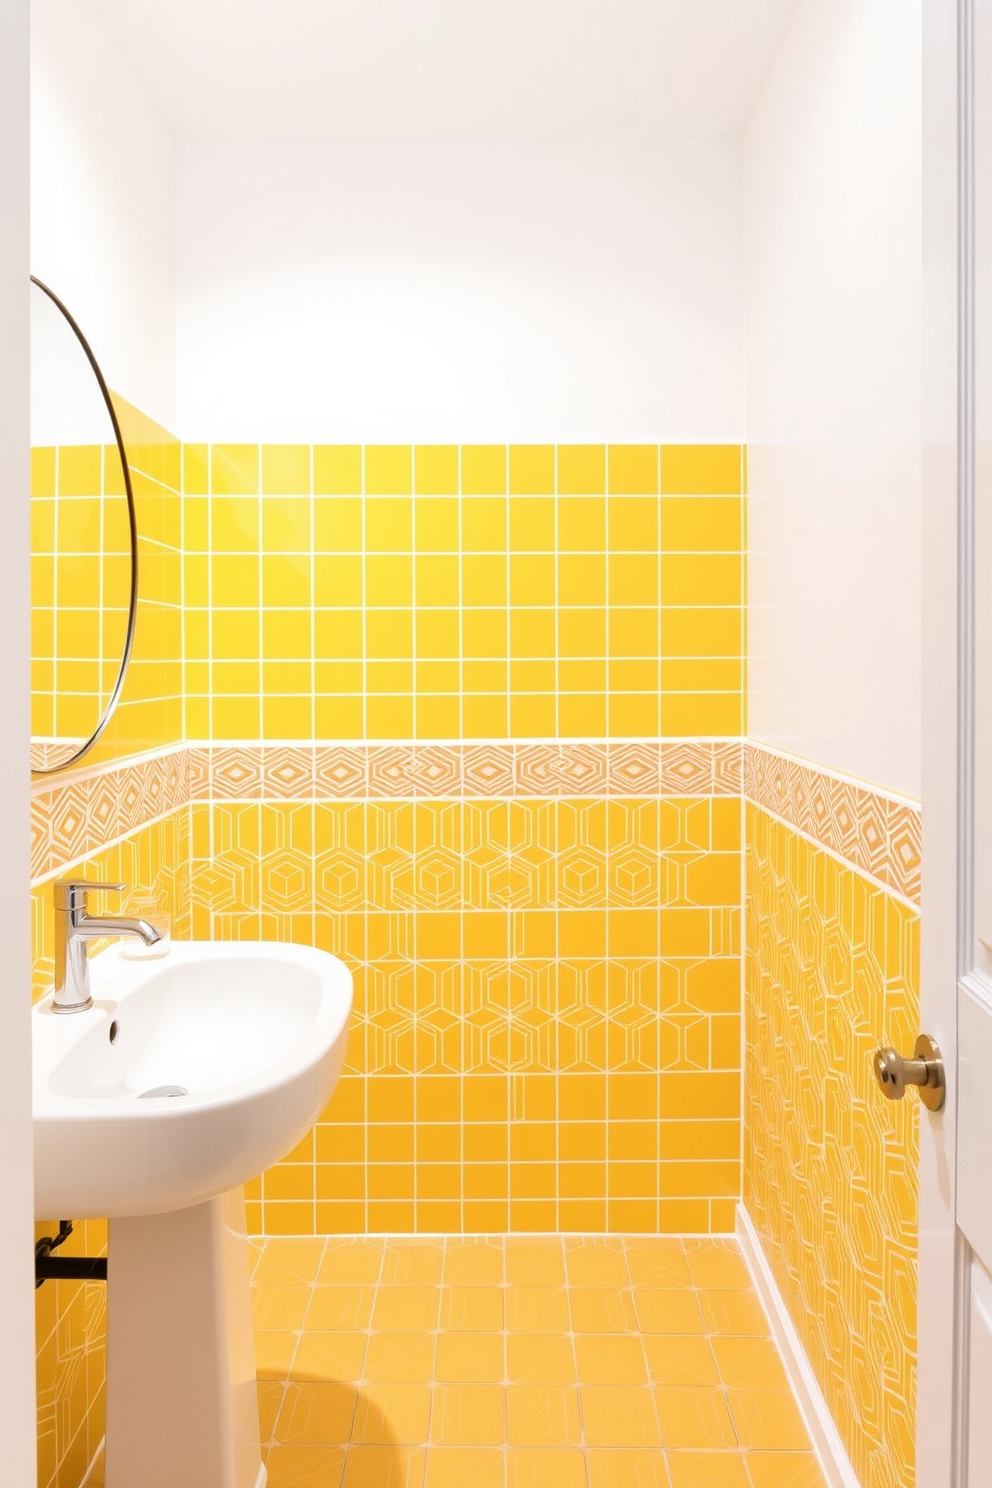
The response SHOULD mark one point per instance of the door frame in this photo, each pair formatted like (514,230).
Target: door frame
(947,442)
(18,1434)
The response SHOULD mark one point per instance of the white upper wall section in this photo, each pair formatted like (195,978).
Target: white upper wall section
(408,68)
(834,291)
(103,200)
(460,290)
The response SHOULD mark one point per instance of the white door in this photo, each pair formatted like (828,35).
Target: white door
(954,1406)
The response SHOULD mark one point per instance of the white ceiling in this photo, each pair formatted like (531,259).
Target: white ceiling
(349,68)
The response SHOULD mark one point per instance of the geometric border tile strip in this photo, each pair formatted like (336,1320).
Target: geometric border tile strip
(80,812)
(434,771)
(876,833)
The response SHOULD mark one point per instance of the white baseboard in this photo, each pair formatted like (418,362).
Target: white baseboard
(823,1432)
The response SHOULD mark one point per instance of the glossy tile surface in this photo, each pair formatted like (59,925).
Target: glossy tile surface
(519,1362)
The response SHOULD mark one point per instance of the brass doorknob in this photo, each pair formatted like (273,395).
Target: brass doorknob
(925,1070)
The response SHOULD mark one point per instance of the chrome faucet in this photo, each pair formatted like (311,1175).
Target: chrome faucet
(74,926)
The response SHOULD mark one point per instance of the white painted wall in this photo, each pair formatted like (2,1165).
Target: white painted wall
(17,1390)
(103,200)
(834,295)
(460,289)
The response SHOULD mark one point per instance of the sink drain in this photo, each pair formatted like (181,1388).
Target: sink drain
(163,1090)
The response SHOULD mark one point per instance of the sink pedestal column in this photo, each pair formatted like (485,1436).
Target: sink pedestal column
(182,1407)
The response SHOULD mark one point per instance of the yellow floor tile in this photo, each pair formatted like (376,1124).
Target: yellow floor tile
(611,1359)
(784,1470)
(619,1416)
(468,1416)
(768,1420)
(534,1263)
(733,1312)
(270,1397)
(680,1359)
(274,1354)
(470,1358)
(660,1264)
(601,1310)
(329,1356)
(626,1469)
(464,1467)
(539,1359)
(472,1309)
(749,1363)
(384,1467)
(545,1467)
(390,1414)
(542,1416)
(717,1264)
(707,1470)
(289,1262)
(305,1467)
(279,1309)
(403,1309)
(473,1263)
(694,1418)
(537,1310)
(346,1262)
(339,1308)
(667,1310)
(596,1263)
(319,1414)
(400,1358)
(413,1262)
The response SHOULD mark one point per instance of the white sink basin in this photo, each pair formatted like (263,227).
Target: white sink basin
(254,1032)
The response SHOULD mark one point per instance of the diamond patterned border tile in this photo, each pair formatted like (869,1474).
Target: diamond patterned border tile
(874,832)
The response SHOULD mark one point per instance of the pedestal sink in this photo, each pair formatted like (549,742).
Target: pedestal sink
(188,1075)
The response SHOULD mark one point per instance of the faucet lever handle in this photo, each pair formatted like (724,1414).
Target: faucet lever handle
(71,892)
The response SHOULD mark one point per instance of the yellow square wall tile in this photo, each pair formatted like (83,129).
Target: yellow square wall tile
(436,469)
(532,469)
(581,470)
(286,524)
(696,524)
(701,631)
(337,469)
(388,470)
(484,525)
(80,469)
(532,579)
(338,524)
(388,579)
(437,579)
(701,469)
(701,579)
(234,524)
(632,523)
(388,524)
(285,469)
(532,524)
(43,471)
(483,469)
(234,469)
(436,524)
(533,1467)
(235,718)
(633,469)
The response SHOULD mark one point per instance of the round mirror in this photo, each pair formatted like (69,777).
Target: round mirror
(84,558)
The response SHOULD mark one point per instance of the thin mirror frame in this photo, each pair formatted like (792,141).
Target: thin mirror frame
(114,698)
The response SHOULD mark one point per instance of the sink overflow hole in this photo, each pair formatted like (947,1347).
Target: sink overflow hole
(114,1030)
(159,1090)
